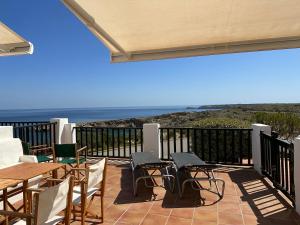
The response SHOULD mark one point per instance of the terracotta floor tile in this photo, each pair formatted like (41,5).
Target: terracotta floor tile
(131,217)
(230,218)
(178,221)
(186,213)
(248,200)
(114,212)
(154,219)
(206,215)
(201,222)
(158,209)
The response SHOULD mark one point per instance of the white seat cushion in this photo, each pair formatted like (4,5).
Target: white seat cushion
(53,221)
(77,194)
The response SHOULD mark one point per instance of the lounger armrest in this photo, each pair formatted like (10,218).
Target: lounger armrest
(28,158)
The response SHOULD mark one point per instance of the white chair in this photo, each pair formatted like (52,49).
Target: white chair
(47,204)
(91,186)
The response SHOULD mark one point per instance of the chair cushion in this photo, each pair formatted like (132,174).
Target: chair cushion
(77,194)
(43,158)
(71,160)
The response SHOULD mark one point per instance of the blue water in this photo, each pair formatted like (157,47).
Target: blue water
(88,114)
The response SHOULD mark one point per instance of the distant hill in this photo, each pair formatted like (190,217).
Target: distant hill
(276,107)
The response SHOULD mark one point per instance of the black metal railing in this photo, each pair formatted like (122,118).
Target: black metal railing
(37,134)
(116,142)
(20,123)
(277,161)
(226,146)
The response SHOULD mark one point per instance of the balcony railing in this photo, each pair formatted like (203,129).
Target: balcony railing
(277,159)
(36,134)
(226,146)
(110,141)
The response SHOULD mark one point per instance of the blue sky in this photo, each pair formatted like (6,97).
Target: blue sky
(71,68)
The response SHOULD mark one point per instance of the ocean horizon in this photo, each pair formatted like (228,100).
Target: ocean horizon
(90,114)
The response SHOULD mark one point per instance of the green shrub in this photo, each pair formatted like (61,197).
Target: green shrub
(286,124)
(221,123)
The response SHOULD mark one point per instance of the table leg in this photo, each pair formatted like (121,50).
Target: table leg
(54,174)
(25,199)
(5,205)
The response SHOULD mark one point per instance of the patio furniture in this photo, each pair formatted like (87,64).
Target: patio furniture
(47,204)
(92,185)
(4,185)
(11,154)
(147,164)
(68,154)
(189,162)
(40,151)
(30,175)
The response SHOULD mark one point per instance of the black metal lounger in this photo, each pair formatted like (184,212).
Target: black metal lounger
(146,161)
(189,162)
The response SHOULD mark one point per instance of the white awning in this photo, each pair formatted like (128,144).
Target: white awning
(13,44)
(156,29)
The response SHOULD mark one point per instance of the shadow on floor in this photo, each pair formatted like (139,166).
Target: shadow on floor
(261,199)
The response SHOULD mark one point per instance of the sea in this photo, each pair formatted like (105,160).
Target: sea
(89,114)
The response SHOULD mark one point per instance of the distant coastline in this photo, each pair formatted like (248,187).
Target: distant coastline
(89,114)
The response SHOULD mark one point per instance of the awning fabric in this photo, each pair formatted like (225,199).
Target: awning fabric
(13,44)
(156,29)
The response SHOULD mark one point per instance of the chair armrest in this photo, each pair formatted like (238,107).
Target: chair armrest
(81,149)
(35,189)
(16,214)
(28,158)
(42,149)
(38,146)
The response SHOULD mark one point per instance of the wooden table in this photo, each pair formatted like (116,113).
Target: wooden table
(24,171)
(4,184)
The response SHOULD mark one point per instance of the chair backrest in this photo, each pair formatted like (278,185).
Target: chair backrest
(26,148)
(65,150)
(96,173)
(53,200)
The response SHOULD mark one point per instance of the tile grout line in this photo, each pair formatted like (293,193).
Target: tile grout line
(218,213)
(168,217)
(235,188)
(142,220)
(193,216)
(122,214)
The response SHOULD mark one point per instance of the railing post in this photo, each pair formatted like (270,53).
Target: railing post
(274,155)
(297,173)
(69,133)
(59,129)
(151,138)
(256,144)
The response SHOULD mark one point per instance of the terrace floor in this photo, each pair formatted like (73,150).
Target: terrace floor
(248,199)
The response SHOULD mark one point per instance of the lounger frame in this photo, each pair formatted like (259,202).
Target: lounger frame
(146,175)
(207,169)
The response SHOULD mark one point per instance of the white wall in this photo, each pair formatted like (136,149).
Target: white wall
(6,132)
(297,172)
(151,138)
(256,145)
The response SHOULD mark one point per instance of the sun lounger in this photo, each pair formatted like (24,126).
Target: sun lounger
(188,163)
(148,165)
